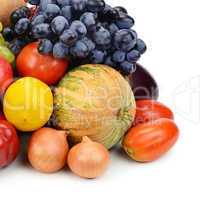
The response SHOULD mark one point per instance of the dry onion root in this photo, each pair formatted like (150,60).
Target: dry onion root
(88,159)
(47,151)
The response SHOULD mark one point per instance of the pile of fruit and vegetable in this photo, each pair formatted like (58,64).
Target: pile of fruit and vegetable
(69,78)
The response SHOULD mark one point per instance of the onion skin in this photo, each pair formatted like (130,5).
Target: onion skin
(47,150)
(88,159)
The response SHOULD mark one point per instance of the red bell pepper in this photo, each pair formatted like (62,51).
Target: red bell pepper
(9,143)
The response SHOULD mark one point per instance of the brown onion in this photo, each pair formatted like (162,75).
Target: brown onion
(47,151)
(88,159)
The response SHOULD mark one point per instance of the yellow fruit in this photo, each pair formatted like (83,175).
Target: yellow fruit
(28,104)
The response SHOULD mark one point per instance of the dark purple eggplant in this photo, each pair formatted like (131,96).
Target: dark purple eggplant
(143,84)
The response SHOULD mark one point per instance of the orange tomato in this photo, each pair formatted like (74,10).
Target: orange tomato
(149,110)
(149,141)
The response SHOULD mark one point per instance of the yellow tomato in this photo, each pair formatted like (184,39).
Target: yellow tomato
(28,104)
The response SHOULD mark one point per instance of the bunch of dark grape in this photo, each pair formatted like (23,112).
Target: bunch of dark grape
(86,31)
(17,34)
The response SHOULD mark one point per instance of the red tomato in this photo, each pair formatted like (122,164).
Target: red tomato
(43,67)
(149,141)
(6,75)
(9,143)
(149,110)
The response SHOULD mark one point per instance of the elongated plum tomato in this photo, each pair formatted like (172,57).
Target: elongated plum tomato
(43,67)
(9,143)
(149,141)
(6,75)
(149,110)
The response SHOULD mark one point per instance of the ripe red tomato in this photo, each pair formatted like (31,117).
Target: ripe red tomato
(43,67)
(6,75)
(9,143)
(149,141)
(149,110)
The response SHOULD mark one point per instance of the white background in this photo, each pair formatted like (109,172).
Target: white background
(171,31)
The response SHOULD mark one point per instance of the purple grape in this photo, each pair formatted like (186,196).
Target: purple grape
(51,11)
(125,23)
(83,30)
(109,61)
(95,5)
(121,9)
(69,37)
(119,56)
(64,2)
(22,26)
(37,20)
(133,56)
(44,3)
(16,45)
(45,46)
(97,56)
(34,2)
(79,28)
(88,19)
(8,34)
(60,50)
(79,50)
(41,31)
(89,43)
(127,67)
(22,12)
(113,28)
(78,5)
(108,14)
(102,36)
(58,25)
(66,11)
(125,39)
(140,46)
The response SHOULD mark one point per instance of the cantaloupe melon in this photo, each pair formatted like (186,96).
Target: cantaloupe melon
(94,101)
